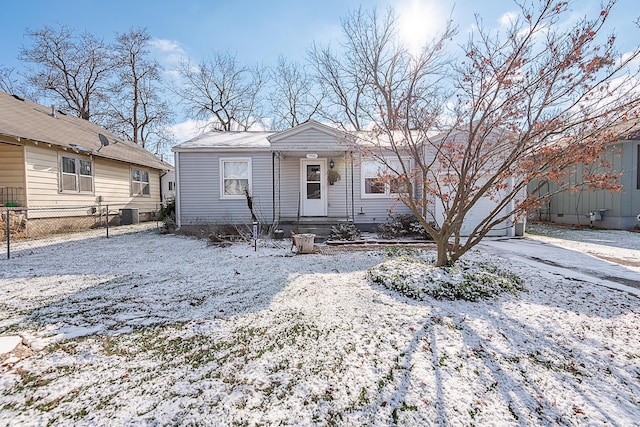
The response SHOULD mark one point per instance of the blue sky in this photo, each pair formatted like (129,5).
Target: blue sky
(258,31)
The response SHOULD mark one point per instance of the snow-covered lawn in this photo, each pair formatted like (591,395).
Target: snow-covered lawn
(156,329)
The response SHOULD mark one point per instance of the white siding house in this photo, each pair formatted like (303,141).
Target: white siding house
(301,174)
(309,173)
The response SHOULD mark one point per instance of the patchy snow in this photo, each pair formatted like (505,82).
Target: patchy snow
(9,343)
(156,329)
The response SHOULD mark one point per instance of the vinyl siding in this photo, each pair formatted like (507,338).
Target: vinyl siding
(12,169)
(632,172)
(339,195)
(199,188)
(374,210)
(111,181)
(620,209)
(310,139)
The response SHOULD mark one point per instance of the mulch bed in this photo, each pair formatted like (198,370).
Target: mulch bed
(333,247)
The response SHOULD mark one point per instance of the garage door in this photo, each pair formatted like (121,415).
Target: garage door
(474,217)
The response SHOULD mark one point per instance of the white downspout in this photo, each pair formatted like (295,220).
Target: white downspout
(511,229)
(176,159)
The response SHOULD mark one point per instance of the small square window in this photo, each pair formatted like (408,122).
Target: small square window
(235,177)
(76,175)
(140,183)
(377,178)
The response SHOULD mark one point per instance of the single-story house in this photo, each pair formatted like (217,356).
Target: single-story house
(600,208)
(308,174)
(53,165)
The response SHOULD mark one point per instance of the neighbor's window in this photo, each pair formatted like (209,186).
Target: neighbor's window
(171,184)
(76,175)
(375,182)
(235,177)
(140,183)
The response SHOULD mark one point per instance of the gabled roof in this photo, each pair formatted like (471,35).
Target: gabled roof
(306,126)
(21,119)
(217,140)
(253,140)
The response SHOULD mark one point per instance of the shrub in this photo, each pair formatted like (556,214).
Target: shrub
(344,231)
(404,225)
(167,215)
(417,277)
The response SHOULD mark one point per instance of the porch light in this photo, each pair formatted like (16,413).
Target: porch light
(312,155)
(331,164)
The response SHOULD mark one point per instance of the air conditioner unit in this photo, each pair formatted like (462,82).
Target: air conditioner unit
(129,216)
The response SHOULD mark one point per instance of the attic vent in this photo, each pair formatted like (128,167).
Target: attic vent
(19,98)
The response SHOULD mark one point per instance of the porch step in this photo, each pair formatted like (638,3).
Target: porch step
(322,231)
(320,226)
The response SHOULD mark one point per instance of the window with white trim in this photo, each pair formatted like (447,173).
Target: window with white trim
(76,175)
(376,178)
(235,178)
(140,183)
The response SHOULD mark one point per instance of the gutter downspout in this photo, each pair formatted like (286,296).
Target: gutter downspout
(346,186)
(353,212)
(176,159)
(273,188)
(511,229)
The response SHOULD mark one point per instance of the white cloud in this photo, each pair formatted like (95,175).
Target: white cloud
(188,129)
(169,50)
(166,45)
(508,18)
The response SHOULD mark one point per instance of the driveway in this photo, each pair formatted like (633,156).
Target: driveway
(608,258)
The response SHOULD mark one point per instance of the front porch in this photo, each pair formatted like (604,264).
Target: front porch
(312,192)
(320,226)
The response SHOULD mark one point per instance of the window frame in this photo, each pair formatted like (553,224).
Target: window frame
(387,185)
(132,182)
(77,174)
(224,160)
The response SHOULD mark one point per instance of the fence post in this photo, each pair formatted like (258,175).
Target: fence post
(8,234)
(107,221)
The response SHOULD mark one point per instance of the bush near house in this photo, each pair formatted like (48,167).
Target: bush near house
(405,225)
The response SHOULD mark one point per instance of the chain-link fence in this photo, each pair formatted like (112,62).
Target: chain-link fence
(20,225)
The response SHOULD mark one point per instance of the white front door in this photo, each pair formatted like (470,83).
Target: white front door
(314,188)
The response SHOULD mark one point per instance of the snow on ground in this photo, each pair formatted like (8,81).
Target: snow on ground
(145,328)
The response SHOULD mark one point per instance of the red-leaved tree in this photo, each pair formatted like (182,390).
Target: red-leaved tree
(523,106)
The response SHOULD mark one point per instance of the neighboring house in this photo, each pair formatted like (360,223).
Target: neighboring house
(49,159)
(168,187)
(600,208)
(306,174)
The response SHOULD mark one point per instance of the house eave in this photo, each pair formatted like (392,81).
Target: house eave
(226,149)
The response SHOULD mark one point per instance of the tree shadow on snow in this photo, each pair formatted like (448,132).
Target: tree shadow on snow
(531,369)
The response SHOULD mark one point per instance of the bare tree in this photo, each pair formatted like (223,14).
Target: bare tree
(526,106)
(137,110)
(221,92)
(72,69)
(293,99)
(8,81)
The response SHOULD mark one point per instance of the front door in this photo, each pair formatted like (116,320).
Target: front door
(313,191)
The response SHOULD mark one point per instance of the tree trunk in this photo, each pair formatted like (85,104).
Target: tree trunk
(443,256)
